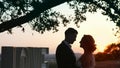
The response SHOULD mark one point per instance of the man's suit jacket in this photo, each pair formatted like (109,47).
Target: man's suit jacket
(65,57)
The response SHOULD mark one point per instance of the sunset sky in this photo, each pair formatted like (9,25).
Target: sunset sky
(95,25)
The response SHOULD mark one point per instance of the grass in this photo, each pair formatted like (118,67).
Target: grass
(100,64)
(108,64)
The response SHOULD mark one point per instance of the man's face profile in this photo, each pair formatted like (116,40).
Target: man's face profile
(72,38)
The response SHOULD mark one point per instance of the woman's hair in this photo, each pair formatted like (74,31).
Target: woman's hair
(87,40)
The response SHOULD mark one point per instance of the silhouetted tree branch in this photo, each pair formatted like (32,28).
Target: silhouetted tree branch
(39,8)
(42,13)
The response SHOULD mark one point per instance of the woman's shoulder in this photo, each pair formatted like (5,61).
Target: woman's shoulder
(85,58)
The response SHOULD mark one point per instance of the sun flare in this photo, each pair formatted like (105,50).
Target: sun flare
(100,48)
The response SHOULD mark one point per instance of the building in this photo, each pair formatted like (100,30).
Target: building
(24,57)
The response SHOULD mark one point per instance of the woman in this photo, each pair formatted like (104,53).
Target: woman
(87,60)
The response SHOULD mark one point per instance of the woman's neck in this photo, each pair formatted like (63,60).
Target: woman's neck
(87,52)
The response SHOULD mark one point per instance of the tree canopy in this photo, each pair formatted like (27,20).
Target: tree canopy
(40,15)
(112,52)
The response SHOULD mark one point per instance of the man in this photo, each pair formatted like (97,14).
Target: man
(64,55)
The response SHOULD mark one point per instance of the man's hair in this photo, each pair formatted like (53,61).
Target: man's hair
(71,31)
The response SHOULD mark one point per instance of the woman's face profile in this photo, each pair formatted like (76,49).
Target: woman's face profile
(87,42)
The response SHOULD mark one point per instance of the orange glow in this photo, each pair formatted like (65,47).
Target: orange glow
(100,48)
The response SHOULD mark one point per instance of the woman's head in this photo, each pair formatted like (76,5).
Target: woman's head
(88,42)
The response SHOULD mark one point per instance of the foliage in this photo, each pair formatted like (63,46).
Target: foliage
(46,19)
(13,9)
(101,56)
(111,8)
(113,49)
(112,52)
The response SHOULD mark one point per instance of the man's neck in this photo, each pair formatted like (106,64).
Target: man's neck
(67,43)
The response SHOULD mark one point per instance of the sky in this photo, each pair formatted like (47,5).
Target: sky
(95,25)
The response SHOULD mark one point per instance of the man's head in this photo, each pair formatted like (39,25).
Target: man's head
(70,35)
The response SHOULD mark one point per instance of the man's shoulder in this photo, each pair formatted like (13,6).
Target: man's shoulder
(62,43)
(62,46)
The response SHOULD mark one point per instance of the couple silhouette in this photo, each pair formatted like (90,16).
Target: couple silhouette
(65,56)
